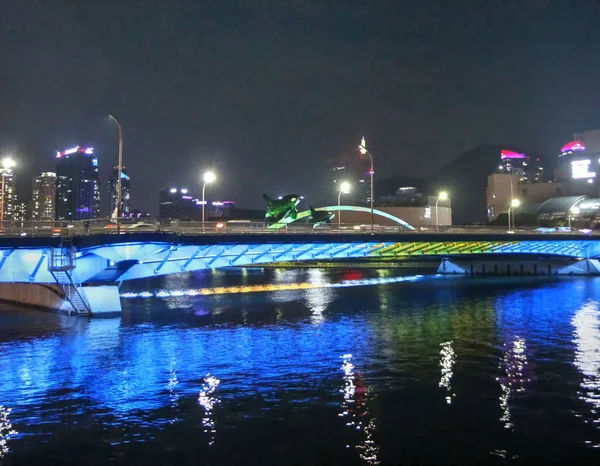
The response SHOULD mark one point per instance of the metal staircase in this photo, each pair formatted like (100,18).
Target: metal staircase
(62,267)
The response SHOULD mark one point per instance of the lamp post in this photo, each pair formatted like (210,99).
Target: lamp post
(7,164)
(574,211)
(209,177)
(514,203)
(120,167)
(363,151)
(344,189)
(443,196)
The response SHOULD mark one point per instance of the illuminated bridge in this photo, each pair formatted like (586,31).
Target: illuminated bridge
(83,273)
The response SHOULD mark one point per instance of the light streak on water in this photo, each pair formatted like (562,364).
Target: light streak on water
(447,360)
(587,359)
(6,430)
(514,364)
(270,287)
(208,402)
(355,409)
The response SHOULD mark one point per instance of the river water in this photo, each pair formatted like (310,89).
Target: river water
(390,370)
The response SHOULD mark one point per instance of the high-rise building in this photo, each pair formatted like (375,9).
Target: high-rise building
(179,204)
(43,197)
(355,169)
(21,212)
(125,209)
(77,184)
(527,169)
(8,194)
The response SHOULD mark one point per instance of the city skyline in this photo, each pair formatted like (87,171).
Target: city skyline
(252,96)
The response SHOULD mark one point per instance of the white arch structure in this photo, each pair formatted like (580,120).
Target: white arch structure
(336,208)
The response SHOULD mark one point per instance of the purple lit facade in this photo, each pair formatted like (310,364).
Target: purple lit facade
(77,184)
(528,169)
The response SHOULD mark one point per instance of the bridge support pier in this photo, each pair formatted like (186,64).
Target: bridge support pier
(103,300)
(519,267)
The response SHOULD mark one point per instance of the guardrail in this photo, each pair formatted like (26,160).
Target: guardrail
(106,226)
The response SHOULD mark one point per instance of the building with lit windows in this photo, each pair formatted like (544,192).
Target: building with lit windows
(43,197)
(8,193)
(178,203)
(527,169)
(77,184)
(113,186)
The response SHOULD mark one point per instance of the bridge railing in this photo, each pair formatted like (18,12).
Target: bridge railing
(135,226)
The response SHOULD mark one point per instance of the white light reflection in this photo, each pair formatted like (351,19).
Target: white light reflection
(6,430)
(587,357)
(171,386)
(355,409)
(514,364)
(317,301)
(447,359)
(208,402)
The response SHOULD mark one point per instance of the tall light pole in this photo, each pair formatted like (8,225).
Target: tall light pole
(363,151)
(7,164)
(209,177)
(119,170)
(443,196)
(574,211)
(514,203)
(344,189)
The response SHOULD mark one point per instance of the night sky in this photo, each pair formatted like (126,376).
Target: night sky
(266,91)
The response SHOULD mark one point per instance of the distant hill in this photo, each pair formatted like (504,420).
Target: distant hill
(465,179)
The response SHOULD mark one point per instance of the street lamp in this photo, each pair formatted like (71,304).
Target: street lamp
(7,164)
(118,209)
(209,177)
(514,203)
(443,196)
(363,151)
(344,189)
(574,211)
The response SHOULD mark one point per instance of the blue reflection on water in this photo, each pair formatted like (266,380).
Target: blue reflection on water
(483,362)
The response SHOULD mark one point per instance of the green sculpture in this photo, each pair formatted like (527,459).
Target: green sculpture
(319,217)
(282,208)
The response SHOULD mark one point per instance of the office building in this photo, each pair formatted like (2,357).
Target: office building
(178,203)
(527,169)
(503,188)
(355,169)
(8,195)
(21,212)
(125,209)
(77,184)
(43,197)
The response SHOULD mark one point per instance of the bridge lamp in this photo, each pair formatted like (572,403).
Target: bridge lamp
(513,204)
(344,189)
(209,177)
(443,196)
(7,164)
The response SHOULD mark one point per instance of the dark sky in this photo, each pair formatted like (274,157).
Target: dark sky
(265,91)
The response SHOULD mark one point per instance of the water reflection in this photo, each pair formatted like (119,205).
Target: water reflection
(587,357)
(356,411)
(208,402)
(6,430)
(172,387)
(514,364)
(447,360)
